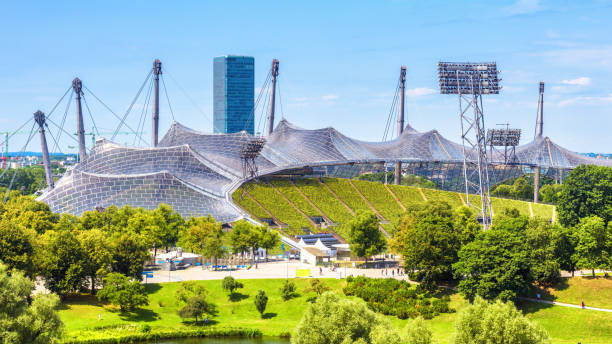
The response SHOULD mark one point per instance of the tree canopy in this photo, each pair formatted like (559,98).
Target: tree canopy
(364,237)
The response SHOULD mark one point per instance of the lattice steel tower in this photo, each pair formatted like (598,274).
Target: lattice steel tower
(470,81)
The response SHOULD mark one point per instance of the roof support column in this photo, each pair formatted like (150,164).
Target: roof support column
(157,70)
(77,86)
(39,117)
(400,121)
(272,103)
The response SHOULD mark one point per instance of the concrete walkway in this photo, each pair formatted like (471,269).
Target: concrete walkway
(566,304)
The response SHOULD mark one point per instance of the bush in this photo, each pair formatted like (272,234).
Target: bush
(395,297)
(288,290)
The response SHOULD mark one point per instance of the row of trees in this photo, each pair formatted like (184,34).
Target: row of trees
(522,188)
(439,244)
(70,252)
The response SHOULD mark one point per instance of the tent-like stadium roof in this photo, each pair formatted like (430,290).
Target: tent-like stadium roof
(196,172)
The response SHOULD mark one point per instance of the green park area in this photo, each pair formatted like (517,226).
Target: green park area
(80,313)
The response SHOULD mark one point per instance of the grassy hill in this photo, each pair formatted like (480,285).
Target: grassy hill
(294,204)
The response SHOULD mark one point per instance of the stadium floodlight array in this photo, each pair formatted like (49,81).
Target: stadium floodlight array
(470,81)
(503,137)
(506,138)
(250,151)
(468,78)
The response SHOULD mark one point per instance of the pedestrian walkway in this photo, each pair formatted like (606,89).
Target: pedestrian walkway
(565,304)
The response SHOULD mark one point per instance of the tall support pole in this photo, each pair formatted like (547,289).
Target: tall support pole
(6,134)
(539,132)
(400,121)
(157,70)
(39,117)
(77,85)
(272,104)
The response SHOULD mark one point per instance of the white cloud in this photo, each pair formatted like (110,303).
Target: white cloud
(523,7)
(582,81)
(330,97)
(586,100)
(420,91)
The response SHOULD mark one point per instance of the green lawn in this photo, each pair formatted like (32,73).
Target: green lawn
(565,325)
(595,292)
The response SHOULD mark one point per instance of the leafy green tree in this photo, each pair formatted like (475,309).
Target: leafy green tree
(98,257)
(170,225)
(503,190)
(243,237)
(429,237)
(61,262)
(541,237)
(365,239)
(204,236)
(261,301)
(120,291)
(267,238)
(130,252)
(593,243)
(229,283)
(317,286)
(586,191)
(194,298)
(497,323)
(565,249)
(22,322)
(550,193)
(288,290)
(522,189)
(416,331)
(17,247)
(30,213)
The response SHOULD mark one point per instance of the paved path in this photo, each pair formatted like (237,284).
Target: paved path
(565,304)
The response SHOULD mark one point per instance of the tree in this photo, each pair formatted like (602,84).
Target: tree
(586,191)
(317,286)
(364,238)
(243,237)
(288,290)
(550,193)
(429,237)
(169,225)
(416,331)
(565,249)
(503,190)
(267,238)
(120,291)
(17,247)
(204,236)
(496,323)
(194,297)
(506,260)
(335,320)
(230,284)
(96,247)
(61,262)
(130,252)
(261,301)
(522,189)
(22,322)
(593,243)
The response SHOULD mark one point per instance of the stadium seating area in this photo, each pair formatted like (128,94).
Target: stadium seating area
(296,208)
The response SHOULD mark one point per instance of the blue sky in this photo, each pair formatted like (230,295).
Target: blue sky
(339,61)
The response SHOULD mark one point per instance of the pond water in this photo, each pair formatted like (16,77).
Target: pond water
(223,341)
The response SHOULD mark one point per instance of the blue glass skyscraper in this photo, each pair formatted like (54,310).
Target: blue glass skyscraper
(233,93)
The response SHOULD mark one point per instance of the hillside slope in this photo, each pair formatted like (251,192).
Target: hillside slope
(298,205)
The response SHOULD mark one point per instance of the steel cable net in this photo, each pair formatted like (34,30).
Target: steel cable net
(196,172)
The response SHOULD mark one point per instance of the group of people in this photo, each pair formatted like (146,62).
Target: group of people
(385,272)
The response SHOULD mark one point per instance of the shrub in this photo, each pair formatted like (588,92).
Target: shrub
(288,290)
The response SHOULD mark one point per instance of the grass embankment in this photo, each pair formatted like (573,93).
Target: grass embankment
(376,194)
(594,291)
(565,325)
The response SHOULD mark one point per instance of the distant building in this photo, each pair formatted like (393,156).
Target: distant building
(233,94)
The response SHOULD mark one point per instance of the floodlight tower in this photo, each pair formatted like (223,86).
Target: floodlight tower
(157,70)
(40,119)
(470,81)
(400,121)
(249,152)
(271,106)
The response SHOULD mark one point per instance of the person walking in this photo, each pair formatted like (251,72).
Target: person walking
(582,304)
